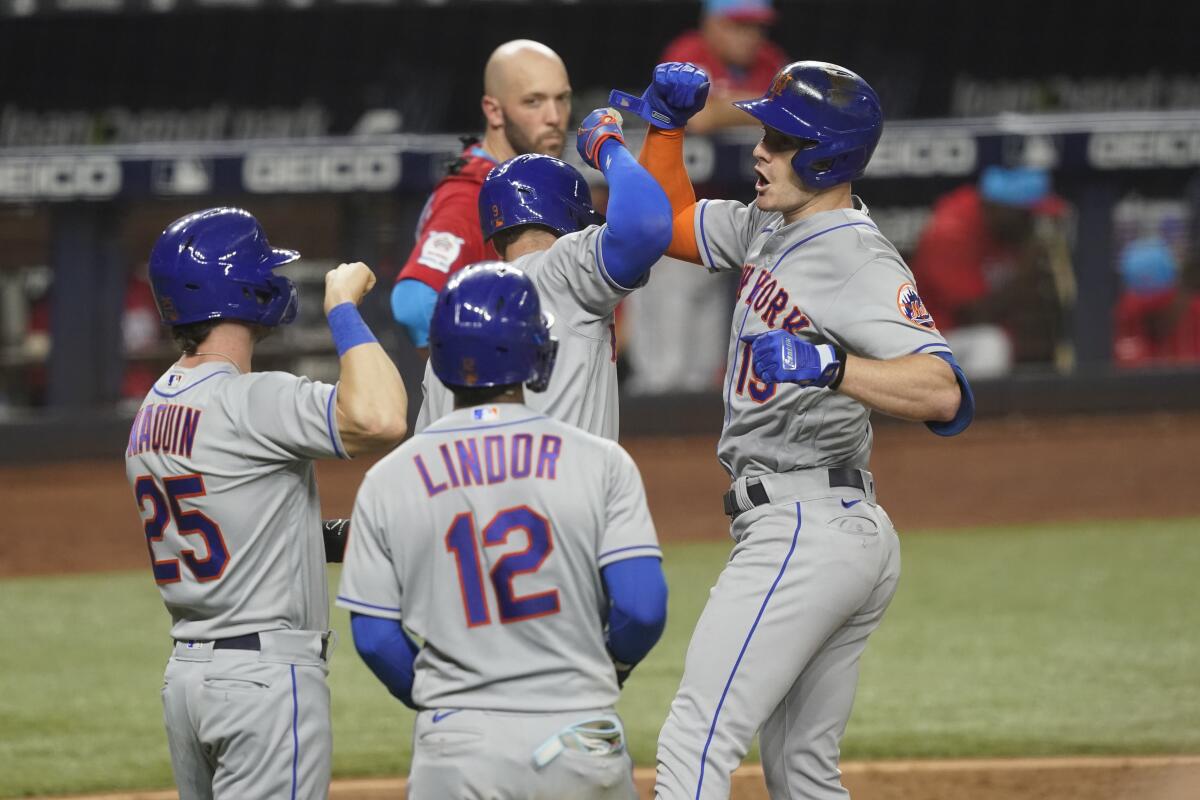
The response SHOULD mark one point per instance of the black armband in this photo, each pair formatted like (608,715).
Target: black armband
(336,532)
(840,353)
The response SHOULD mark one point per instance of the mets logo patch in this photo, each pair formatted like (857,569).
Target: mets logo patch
(913,307)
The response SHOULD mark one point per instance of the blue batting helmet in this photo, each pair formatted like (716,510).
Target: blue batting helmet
(488,329)
(830,107)
(534,189)
(217,264)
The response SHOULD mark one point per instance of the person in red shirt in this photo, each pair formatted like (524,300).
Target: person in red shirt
(526,105)
(993,280)
(1158,315)
(731,45)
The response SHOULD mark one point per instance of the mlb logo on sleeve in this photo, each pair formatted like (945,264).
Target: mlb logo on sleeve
(440,250)
(486,413)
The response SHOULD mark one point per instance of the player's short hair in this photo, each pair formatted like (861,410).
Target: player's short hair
(466,396)
(189,337)
(503,239)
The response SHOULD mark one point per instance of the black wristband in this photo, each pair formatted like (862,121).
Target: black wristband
(840,353)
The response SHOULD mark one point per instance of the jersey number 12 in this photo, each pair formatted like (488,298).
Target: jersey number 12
(461,542)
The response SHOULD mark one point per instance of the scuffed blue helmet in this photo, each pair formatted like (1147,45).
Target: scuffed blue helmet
(488,329)
(829,106)
(217,264)
(535,189)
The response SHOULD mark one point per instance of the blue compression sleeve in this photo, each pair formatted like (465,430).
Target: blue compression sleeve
(412,306)
(387,650)
(637,591)
(966,408)
(639,218)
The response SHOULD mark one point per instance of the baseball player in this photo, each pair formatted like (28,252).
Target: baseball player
(526,107)
(505,539)
(221,464)
(828,326)
(537,211)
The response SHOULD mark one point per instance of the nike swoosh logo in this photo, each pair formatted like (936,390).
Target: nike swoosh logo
(845,504)
(438,716)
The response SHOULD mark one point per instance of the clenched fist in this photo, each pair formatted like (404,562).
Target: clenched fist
(347,283)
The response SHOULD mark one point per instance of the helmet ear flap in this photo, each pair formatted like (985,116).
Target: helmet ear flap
(547,355)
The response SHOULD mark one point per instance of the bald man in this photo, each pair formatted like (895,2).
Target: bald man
(526,107)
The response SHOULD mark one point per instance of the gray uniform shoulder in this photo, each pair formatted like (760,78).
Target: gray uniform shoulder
(571,276)
(282,416)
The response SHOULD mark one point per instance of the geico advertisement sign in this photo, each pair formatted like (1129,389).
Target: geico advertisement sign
(60,178)
(923,154)
(1130,150)
(326,170)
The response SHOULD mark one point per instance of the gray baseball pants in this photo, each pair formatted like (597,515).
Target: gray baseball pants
(249,724)
(471,754)
(777,647)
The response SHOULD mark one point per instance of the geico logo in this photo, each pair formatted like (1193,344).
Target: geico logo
(60,178)
(948,154)
(341,170)
(1144,149)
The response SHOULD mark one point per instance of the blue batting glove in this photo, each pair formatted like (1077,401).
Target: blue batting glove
(780,357)
(597,128)
(679,90)
(412,306)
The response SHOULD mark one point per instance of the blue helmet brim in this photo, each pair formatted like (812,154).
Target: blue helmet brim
(278,256)
(774,115)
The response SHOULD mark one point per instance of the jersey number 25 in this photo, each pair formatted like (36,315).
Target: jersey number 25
(461,541)
(188,523)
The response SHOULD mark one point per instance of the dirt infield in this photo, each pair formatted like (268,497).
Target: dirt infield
(1161,778)
(998,472)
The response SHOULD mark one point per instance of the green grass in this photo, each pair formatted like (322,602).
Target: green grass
(1035,641)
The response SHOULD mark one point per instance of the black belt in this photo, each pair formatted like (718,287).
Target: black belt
(847,477)
(249,641)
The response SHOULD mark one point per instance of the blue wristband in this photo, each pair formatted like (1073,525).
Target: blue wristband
(348,328)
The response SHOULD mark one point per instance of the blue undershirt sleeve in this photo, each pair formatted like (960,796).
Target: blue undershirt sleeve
(387,650)
(966,408)
(637,592)
(639,218)
(412,306)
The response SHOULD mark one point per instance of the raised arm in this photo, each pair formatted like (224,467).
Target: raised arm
(677,91)
(372,405)
(638,227)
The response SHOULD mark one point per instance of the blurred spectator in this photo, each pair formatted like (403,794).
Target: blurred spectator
(732,47)
(526,106)
(994,271)
(1158,315)
(141,336)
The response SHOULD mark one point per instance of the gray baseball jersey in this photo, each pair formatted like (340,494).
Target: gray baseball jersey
(222,473)
(576,291)
(486,534)
(816,560)
(221,467)
(832,277)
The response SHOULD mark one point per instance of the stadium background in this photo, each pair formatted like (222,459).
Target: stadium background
(1047,607)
